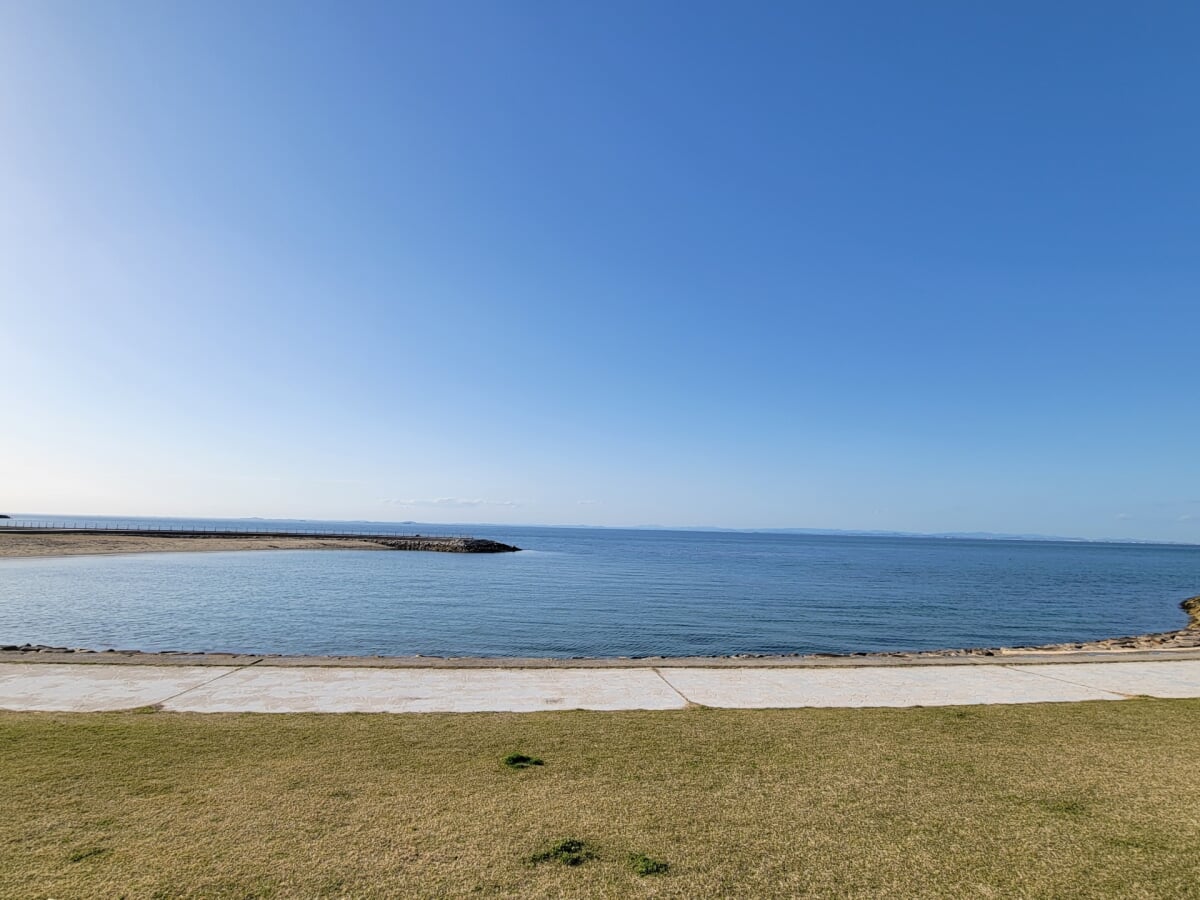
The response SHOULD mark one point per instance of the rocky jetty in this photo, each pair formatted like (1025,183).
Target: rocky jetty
(1186,638)
(448,544)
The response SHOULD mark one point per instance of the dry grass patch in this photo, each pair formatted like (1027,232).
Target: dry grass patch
(1064,800)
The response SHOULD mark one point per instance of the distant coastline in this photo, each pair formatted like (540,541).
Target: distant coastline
(855,532)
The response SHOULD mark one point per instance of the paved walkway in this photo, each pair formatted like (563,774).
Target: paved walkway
(252,688)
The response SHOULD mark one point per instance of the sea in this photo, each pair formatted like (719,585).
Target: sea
(595,592)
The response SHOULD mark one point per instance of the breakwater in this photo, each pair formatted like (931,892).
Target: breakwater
(446,544)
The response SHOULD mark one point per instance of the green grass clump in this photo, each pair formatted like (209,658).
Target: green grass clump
(568,852)
(521,761)
(641,864)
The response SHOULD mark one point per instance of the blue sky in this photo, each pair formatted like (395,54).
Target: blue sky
(923,266)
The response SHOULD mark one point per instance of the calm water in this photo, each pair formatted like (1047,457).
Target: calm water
(586,592)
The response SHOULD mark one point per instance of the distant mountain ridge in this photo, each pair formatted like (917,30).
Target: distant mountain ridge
(945,535)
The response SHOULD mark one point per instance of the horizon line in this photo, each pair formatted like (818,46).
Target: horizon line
(845,532)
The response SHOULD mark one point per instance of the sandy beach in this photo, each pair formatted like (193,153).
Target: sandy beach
(90,542)
(25,544)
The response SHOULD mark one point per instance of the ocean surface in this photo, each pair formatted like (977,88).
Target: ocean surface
(598,592)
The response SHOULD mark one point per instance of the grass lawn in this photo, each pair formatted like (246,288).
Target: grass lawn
(1062,800)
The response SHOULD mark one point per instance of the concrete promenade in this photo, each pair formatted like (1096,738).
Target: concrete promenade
(251,687)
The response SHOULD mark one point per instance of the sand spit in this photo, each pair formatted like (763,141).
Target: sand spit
(40,542)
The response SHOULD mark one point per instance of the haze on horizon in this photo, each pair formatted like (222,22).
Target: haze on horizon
(924,268)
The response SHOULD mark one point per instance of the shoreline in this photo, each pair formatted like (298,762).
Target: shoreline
(1001,657)
(1181,644)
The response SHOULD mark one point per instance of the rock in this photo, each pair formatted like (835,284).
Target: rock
(448,545)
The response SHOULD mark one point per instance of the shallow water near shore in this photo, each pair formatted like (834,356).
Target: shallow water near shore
(602,592)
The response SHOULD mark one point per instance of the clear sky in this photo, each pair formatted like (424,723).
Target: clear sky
(922,266)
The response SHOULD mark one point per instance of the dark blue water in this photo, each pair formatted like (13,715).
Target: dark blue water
(593,592)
